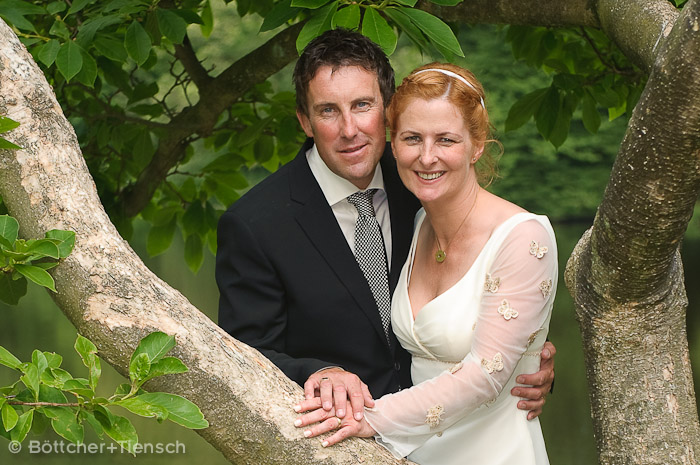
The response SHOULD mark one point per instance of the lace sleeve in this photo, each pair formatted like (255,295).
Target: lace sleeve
(517,299)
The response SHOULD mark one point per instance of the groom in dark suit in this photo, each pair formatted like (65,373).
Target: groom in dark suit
(290,283)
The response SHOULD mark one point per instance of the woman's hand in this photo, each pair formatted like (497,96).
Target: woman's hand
(323,421)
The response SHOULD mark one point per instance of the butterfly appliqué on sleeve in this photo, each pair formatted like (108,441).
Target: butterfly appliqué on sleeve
(537,250)
(507,311)
(493,365)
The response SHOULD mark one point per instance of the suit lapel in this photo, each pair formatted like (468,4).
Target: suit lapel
(316,218)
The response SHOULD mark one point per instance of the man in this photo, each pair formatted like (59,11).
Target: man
(290,283)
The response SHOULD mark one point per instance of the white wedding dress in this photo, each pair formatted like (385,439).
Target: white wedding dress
(468,345)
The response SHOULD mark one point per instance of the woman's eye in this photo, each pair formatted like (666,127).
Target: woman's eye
(446,140)
(411,139)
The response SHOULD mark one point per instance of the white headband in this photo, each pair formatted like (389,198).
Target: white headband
(456,76)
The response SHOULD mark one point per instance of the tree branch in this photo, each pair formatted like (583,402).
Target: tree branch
(214,97)
(114,300)
(191,63)
(551,13)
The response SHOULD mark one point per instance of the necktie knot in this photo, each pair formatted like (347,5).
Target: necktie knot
(363,201)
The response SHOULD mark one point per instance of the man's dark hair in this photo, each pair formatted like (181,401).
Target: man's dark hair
(337,48)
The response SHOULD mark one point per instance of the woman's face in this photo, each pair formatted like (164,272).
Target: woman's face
(434,150)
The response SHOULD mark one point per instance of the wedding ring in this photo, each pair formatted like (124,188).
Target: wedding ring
(340,422)
(325,378)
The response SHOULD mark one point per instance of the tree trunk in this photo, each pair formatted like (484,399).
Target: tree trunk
(114,300)
(626,274)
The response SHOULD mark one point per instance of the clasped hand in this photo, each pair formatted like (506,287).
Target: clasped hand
(326,400)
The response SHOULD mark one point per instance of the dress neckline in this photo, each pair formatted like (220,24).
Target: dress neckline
(412,257)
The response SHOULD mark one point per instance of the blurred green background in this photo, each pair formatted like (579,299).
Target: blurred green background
(565,183)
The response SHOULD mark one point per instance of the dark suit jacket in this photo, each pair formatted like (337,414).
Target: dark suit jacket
(290,285)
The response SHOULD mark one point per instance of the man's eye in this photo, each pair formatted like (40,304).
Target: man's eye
(363,105)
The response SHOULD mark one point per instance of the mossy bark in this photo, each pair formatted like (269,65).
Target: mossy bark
(626,274)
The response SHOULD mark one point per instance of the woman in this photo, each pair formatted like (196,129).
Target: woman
(475,296)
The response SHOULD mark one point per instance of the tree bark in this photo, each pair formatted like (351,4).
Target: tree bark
(626,274)
(114,300)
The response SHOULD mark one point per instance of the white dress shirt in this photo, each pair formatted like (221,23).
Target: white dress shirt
(337,189)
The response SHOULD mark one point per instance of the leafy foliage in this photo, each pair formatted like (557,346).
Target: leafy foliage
(588,71)
(143,94)
(6,124)
(46,393)
(22,260)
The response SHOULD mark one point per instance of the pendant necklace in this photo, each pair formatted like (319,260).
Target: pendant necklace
(441,255)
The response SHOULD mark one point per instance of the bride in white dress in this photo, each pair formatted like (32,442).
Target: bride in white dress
(475,296)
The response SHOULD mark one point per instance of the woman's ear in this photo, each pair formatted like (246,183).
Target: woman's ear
(477,154)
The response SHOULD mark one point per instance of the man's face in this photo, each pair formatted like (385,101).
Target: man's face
(346,120)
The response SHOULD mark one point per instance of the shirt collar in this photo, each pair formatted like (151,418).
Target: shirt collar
(334,187)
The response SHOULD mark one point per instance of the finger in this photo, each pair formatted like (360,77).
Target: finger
(534,414)
(322,427)
(529,393)
(338,436)
(530,405)
(369,401)
(306,405)
(357,403)
(326,387)
(548,351)
(317,416)
(340,397)
(310,387)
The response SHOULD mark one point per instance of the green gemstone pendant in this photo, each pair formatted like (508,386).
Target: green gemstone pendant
(440,256)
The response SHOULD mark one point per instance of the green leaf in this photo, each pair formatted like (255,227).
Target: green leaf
(66,241)
(11,290)
(88,73)
(194,255)
(88,353)
(6,144)
(24,424)
(436,30)
(280,14)
(43,248)
(207,20)
(36,275)
(31,378)
(69,59)
(171,25)
(51,395)
(348,17)
(142,408)
(78,387)
(523,109)
(310,4)
(9,227)
(39,359)
(47,52)
(78,5)
(376,28)
(590,115)
(118,428)
(137,43)
(53,359)
(167,366)
(193,219)
(139,368)
(404,23)
(65,422)
(180,410)
(9,416)
(155,346)
(318,24)
(160,238)
(9,360)
(111,48)
(87,30)
(548,112)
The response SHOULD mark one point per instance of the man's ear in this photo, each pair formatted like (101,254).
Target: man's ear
(305,123)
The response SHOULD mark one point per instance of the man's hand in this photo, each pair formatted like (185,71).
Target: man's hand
(334,386)
(541,383)
(323,421)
